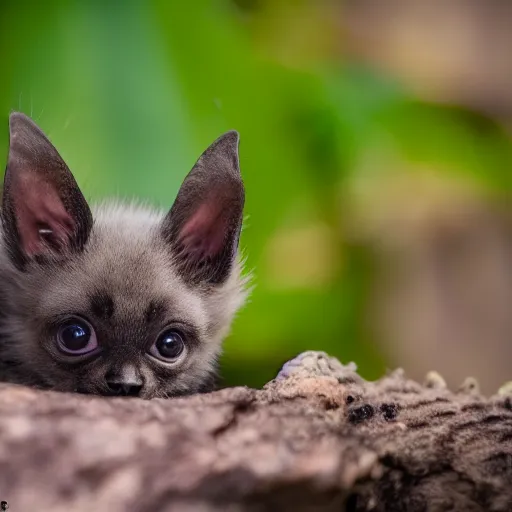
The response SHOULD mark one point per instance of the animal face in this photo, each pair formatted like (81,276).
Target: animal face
(117,299)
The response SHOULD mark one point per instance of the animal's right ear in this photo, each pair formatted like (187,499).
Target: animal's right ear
(44,213)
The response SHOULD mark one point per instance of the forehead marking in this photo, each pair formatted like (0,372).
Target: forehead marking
(155,310)
(102,304)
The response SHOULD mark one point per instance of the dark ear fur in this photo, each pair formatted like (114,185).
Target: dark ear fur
(44,213)
(204,223)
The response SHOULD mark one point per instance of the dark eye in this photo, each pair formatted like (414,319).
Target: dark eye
(169,345)
(76,337)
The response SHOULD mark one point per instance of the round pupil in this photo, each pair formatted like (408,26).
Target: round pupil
(170,345)
(75,336)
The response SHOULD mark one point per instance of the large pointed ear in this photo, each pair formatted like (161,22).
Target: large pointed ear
(203,226)
(44,213)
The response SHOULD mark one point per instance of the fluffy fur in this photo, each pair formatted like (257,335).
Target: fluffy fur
(134,275)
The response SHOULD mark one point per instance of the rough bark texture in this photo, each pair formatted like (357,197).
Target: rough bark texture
(318,437)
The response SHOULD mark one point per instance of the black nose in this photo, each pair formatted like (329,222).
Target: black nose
(120,387)
(124,388)
(125,381)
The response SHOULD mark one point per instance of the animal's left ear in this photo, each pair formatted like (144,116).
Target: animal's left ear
(44,213)
(204,223)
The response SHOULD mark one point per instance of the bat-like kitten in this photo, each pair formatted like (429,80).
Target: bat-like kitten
(116,299)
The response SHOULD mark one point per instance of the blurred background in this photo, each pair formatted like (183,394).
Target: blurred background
(375,148)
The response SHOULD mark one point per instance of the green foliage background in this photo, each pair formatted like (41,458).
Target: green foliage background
(131,92)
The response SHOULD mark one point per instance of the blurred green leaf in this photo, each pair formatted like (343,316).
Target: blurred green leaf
(132,92)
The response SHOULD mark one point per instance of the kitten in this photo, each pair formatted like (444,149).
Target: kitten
(116,299)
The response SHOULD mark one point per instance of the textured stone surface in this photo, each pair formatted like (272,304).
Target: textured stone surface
(318,437)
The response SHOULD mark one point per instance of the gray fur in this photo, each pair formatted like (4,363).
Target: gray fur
(135,258)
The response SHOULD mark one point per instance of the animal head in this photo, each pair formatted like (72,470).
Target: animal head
(117,299)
